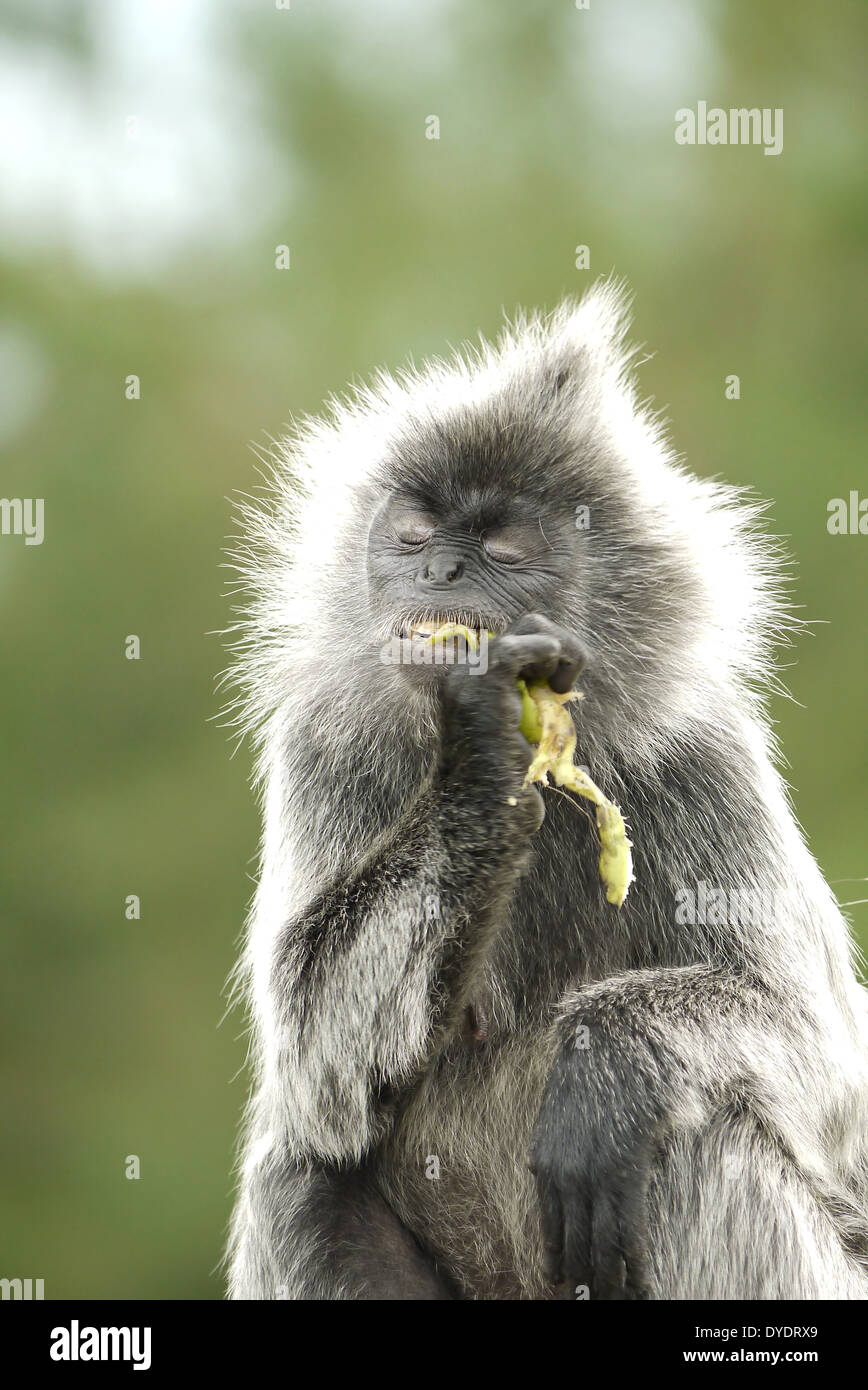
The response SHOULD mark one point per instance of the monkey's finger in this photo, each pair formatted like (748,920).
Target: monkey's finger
(637,1283)
(573,656)
(573,660)
(531,810)
(633,1213)
(534,657)
(578,1217)
(552,1216)
(608,1267)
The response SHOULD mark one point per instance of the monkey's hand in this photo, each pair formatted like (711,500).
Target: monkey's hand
(607,1109)
(484,751)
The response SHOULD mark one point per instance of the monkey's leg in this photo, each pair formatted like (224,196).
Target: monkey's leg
(324,1233)
(730,1216)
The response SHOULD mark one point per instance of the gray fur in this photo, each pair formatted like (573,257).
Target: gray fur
(394,896)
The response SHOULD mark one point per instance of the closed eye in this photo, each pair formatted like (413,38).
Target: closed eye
(413,529)
(502,548)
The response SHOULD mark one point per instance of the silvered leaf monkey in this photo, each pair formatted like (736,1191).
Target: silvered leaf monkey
(475,1077)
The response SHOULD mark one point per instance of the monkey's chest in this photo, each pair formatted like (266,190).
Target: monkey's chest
(456,1166)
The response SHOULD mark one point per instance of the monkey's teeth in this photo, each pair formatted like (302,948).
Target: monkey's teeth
(420,632)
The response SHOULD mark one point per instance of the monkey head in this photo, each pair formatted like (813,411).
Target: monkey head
(521,477)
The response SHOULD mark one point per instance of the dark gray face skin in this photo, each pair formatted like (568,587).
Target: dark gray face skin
(483,561)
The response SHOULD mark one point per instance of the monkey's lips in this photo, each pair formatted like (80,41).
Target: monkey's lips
(421,630)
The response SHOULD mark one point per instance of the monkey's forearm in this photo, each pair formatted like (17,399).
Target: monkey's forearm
(693,1039)
(370,979)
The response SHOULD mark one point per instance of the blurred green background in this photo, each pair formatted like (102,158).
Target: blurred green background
(153,154)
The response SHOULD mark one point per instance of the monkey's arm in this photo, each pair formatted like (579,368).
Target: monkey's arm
(371,978)
(642,1057)
(363,985)
(374,974)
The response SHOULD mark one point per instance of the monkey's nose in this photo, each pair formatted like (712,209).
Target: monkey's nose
(442,569)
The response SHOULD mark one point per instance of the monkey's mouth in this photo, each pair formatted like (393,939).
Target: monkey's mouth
(421,629)
(418,632)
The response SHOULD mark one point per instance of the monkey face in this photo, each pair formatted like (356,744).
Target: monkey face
(482,560)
